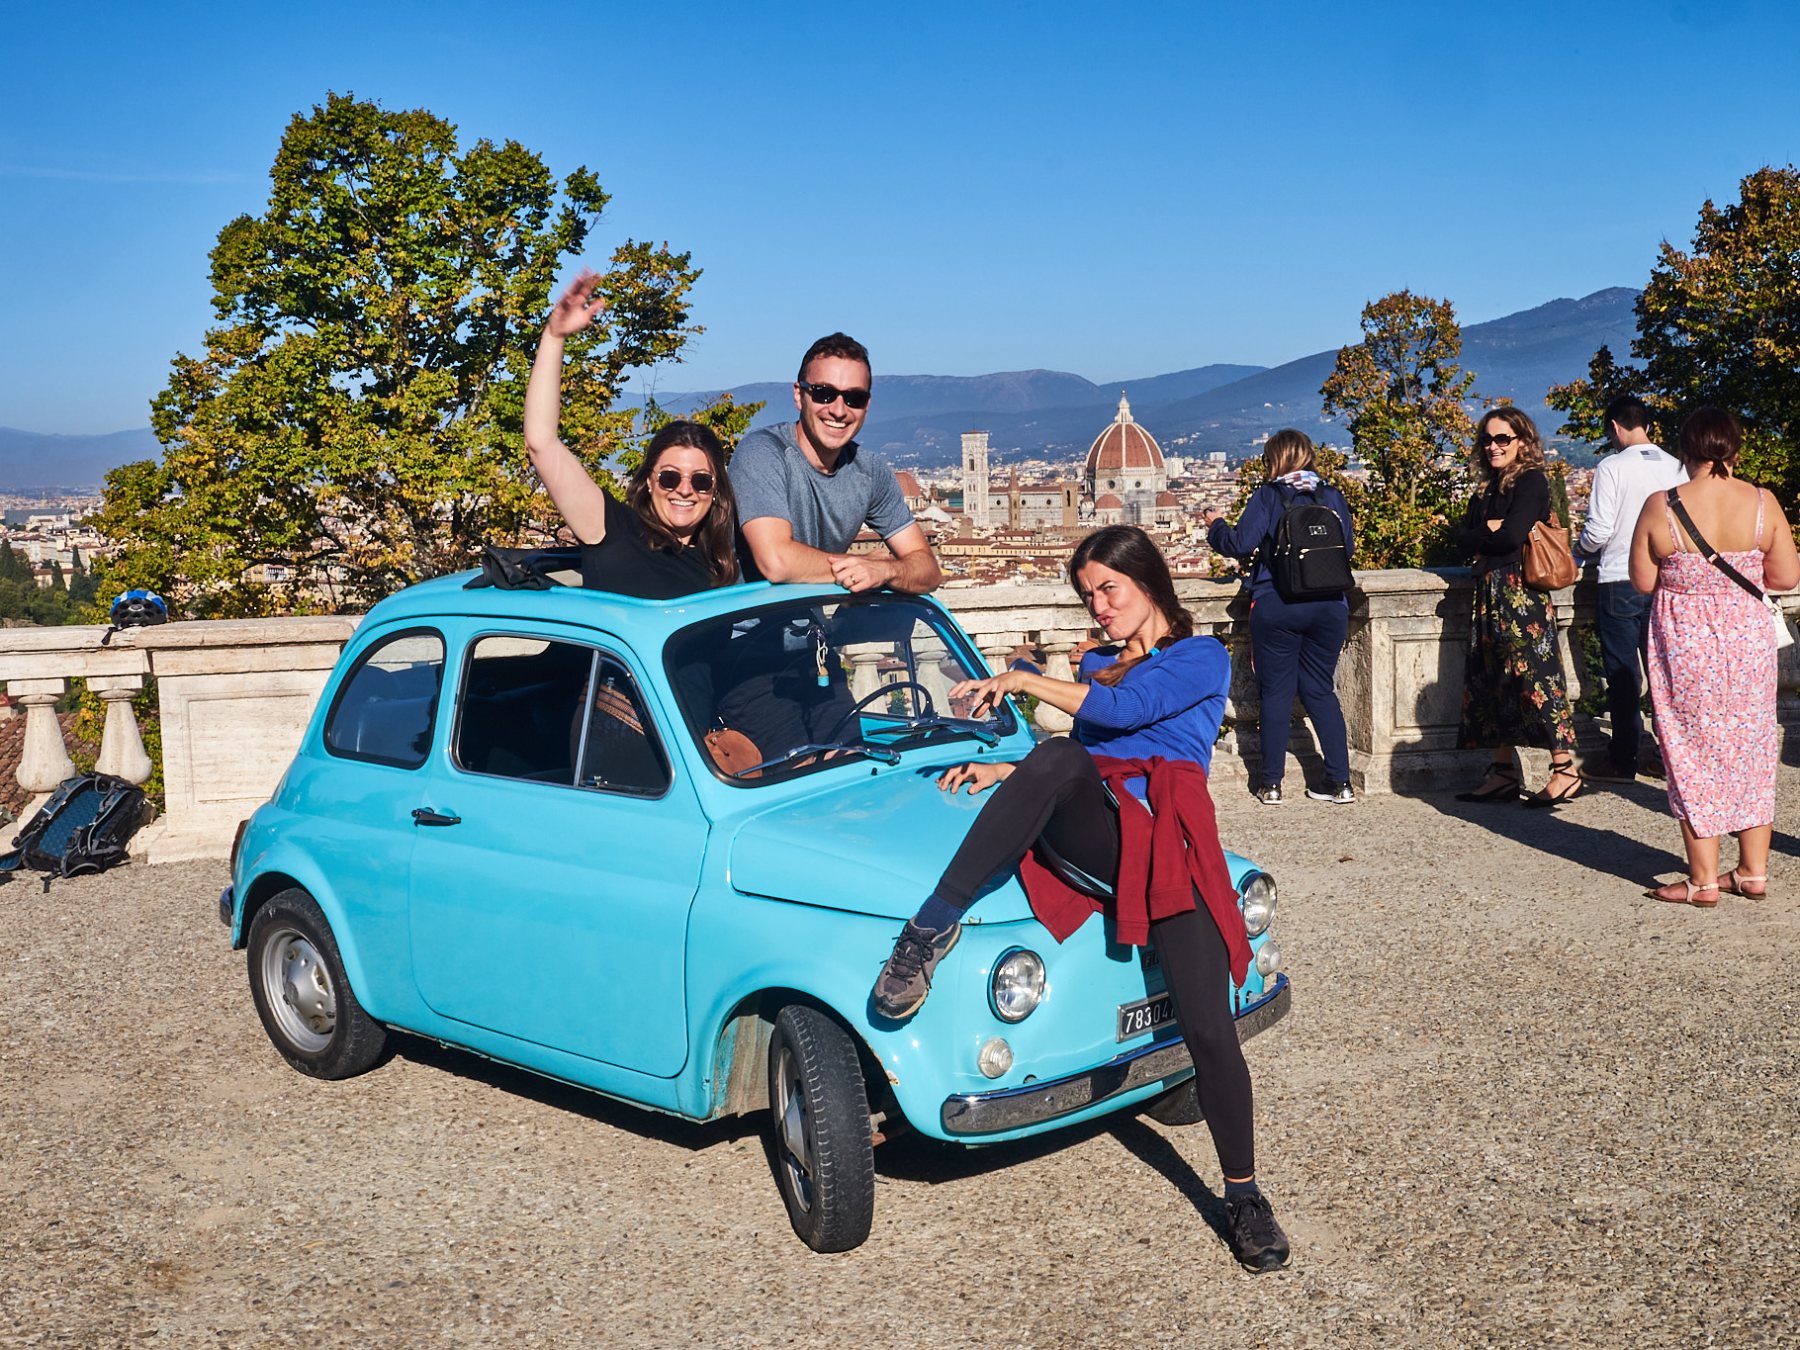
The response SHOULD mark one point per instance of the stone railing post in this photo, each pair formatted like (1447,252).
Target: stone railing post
(122,752)
(44,761)
(1056,666)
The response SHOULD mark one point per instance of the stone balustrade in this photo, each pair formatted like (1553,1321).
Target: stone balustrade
(235,695)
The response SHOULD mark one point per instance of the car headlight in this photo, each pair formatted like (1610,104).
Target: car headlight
(1018,985)
(1258,903)
(1268,959)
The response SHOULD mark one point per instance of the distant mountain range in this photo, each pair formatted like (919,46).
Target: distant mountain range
(31,461)
(918,420)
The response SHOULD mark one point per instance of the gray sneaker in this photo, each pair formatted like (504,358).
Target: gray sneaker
(1269,794)
(1338,794)
(905,980)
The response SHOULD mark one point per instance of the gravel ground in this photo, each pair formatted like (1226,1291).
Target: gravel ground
(1516,1104)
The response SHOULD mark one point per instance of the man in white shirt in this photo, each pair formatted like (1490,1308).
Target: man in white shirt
(1622,483)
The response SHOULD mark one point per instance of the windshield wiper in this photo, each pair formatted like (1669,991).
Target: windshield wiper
(880,752)
(923,728)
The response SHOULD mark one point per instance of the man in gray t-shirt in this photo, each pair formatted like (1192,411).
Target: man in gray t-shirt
(805,490)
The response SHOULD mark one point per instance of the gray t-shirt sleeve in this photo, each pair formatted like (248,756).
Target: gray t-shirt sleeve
(888,514)
(759,477)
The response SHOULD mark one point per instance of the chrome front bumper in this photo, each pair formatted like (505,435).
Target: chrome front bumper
(974,1113)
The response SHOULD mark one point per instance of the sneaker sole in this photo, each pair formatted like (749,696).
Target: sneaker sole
(901,1014)
(1328,797)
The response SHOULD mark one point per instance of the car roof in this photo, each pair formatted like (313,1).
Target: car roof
(645,620)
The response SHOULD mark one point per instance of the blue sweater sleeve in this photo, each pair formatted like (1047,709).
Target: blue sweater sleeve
(1261,513)
(1167,684)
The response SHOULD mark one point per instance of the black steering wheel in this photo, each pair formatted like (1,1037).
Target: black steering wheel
(876,694)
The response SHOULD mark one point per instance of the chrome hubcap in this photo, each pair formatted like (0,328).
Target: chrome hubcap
(300,991)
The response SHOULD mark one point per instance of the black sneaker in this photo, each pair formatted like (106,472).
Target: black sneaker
(906,978)
(1338,794)
(1269,794)
(1256,1239)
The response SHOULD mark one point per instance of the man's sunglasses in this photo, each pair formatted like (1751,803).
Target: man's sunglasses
(824,394)
(1502,439)
(670,479)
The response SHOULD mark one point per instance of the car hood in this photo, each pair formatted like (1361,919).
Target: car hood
(872,845)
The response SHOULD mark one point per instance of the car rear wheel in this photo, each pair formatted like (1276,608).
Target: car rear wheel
(821,1146)
(1178,1106)
(302,994)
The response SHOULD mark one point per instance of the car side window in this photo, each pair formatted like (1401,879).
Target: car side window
(386,707)
(555,712)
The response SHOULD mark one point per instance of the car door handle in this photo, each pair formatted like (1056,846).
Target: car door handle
(424,815)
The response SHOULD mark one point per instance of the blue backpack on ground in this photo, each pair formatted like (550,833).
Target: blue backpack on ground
(1309,559)
(83,828)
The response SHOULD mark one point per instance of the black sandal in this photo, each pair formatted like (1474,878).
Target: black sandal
(1553,799)
(1506,790)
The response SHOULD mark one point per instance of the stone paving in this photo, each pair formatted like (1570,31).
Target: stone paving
(1516,1104)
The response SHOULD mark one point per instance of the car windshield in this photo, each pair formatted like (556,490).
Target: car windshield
(792,687)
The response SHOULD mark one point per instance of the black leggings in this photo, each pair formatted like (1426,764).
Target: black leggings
(1055,795)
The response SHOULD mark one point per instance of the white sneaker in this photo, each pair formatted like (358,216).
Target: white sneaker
(1338,794)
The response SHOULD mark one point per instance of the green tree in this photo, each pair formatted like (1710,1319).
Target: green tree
(1720,322)
(1583,402)
(355,415)
(1403,394)
(12,566)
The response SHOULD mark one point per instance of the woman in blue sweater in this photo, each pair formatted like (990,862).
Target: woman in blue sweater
(1146,715)
(1291,643)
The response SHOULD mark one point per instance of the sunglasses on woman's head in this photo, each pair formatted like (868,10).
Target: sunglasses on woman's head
(1503,439)
(670,479)
(825,394)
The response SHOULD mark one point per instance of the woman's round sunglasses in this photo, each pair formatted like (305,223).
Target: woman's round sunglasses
(670,479)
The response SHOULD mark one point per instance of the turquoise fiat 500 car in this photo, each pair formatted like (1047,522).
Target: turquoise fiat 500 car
(578,833)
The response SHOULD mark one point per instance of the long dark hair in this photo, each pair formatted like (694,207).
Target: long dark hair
(1531,446)
(716,536)
(1130,552)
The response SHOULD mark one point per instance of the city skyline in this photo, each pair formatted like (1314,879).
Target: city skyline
(1003,188)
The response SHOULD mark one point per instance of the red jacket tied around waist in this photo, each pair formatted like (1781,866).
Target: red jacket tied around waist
(1166,854)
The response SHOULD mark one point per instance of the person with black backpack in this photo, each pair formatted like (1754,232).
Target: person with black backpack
(1296,534)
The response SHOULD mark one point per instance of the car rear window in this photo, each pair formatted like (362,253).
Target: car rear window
(386,707)
(555,712)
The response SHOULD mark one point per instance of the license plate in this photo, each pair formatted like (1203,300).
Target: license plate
(1146,1015)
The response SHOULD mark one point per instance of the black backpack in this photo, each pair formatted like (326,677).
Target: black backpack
(1308,559)
(83,828)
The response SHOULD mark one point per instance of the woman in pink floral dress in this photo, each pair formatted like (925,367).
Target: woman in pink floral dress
(1712,657)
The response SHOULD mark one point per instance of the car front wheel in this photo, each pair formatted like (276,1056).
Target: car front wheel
(302,994)
(820,1143)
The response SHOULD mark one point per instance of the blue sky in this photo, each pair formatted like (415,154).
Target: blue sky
(1117,191)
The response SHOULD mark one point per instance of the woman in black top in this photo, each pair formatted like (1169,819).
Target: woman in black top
(673,534)
(1513,692)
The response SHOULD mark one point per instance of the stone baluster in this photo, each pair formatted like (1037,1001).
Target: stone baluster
(44,760)
(122,752)
(865,670)
(1056,666)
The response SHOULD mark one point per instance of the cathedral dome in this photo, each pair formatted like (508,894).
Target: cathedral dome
(1124,448)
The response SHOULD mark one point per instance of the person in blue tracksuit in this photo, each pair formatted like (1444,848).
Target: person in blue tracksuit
(1293,646)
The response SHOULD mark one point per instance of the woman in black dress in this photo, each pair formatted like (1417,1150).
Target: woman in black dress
(673,534)
(1513,693)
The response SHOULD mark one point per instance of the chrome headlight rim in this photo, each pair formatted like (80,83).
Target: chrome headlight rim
(1256,901)
(1018,986)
